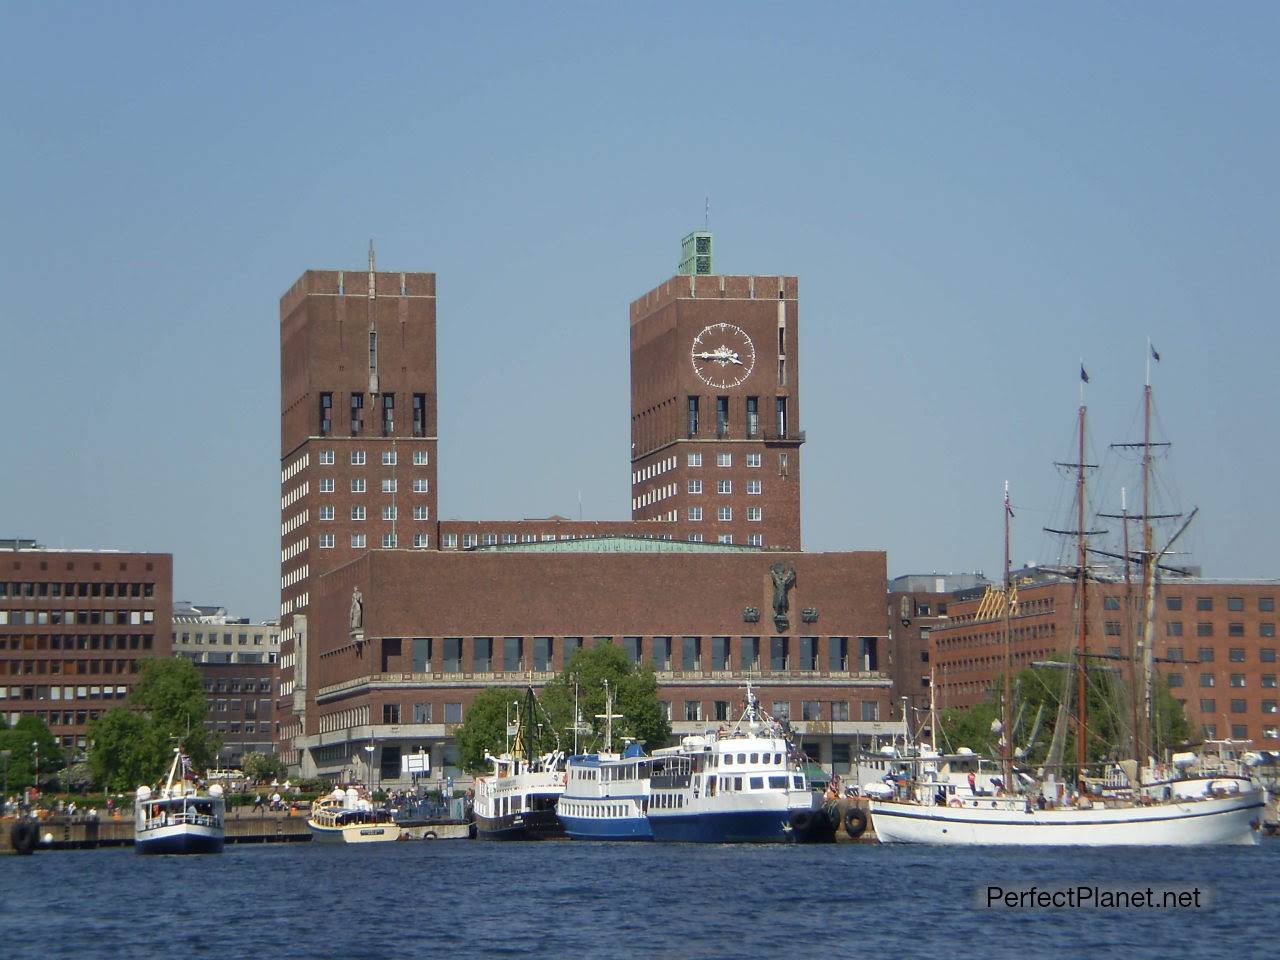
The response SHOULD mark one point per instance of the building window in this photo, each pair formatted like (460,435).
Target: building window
(357,458)
(326,458)
(388,485)
(357,484)
(1240,731)
(326,484)
(1211,731)
(326,512)
(1204,629)
(631,647)
(810,710)
(1175,653)
(419,458)
(1204,603)
(1235,629)
(1173,603)
(490,539)
(326,414)
(754,487)
(388,419)
(695,513)
(1111,603)
(725,538)
(419,484)
(724,513)
(326,541)
(1266,604)
(357,513)
(692,416)
(420,512)
(1239,706)
(1267,654)
(870,710)
(453,713)
(1235,604)
(1111,628)
(695,486)
(389,512)
(419,540)
(695,538)
(780,410)
(422,713)
(470,540)
(391,713)
(1208,680)
(357,541)
(694,459)
(419,415)
(1237,680)
(388,540)
(755,539)
(1266,629)
(1205,654)
(721,710)
(1173,628)
(388,458)
(722,417)
(513,654)
(450,541)
(1175,680)
(1209,706)
(693,710)
(755,514)
(1236,654)
(724,459)
(754,459)
(724,486)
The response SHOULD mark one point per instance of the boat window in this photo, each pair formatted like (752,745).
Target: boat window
(728,759)
(737,783)
(742,758)
(777,758)
(777,783)
(757,783)
(755,758)
(797,783)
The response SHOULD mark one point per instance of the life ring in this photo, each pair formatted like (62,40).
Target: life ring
(855,822)
(429,835)
(24,836)
(955,802)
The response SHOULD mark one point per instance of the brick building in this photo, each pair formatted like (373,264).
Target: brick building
(716,503)
(74,627)
(1215,642)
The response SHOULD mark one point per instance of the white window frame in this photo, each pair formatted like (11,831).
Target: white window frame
(389,512)
(327,484)
(357,485)
(389,484)
(357,511)
(357,458)
(755,514)
(724,459)
(725,538)
(419,540)
(724,486)
(326,458)
(419,458)
(695,486)
(695,460)
(724,514)
(695,514)
(388,541)
(755,540)
(755,488)
(326,541)
(420,512)
(420,485)
(755,460)
(358,541)
(326,511)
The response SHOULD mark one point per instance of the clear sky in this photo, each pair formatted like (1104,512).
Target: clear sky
(974,197)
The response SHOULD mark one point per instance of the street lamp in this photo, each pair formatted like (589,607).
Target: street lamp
(369,751)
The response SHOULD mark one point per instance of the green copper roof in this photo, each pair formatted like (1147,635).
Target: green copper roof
(618,545)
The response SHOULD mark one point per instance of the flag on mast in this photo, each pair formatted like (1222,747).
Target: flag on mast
(1007,507)
(1084,375)
(1155,355)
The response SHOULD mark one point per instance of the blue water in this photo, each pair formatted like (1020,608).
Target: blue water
(575,899)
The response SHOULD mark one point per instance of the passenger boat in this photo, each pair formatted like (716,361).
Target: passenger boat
(347,817)
(744,785)
(177,817)
(517,800)
(606,796)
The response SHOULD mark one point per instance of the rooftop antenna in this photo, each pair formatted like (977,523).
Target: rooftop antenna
(706,214)
(373,337)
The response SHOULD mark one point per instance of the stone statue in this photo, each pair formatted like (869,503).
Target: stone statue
(357,610)
(784,577)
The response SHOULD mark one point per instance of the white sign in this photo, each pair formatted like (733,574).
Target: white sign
(415,763)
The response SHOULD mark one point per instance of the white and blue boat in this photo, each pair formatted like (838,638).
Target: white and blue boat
(607,796)
(176,817)
(741,785)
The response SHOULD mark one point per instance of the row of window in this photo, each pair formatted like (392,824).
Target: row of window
(389,458)
(720,710)
(242,639)
(26,588)
(1174,602)
(754,487)
(386,403)
(70,617)
(359,541)
(96,641)
(235,684)
(1209,706)
(389,512)
(1237,680)
(725,459)
(724,513)
(389,485)
(1240,731)
(64,693)
(1173,628)
(1234,655)
(696,653)
(69,667)
(752,425)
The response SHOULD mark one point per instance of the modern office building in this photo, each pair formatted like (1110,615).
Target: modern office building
(74,627)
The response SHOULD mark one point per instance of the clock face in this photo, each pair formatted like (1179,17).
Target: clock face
(723,355)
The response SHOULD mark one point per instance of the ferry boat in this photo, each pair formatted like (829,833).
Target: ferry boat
(741,786)
(346,817)
(176,817)
(606,796)
(517,800)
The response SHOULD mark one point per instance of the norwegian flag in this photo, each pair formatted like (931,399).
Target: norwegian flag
(187,772)
(1007,508)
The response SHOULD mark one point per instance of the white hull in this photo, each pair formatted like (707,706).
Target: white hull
(1215,821)
(354,833)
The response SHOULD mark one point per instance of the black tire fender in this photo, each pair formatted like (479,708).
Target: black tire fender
(429,835)
(24,836)
(801,821)
(855,822)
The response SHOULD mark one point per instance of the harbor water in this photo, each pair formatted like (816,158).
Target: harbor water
(575,899)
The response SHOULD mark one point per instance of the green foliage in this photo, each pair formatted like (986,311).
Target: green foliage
(634,697)
(134,746)
(1037,691)
(22,756)
(262,767)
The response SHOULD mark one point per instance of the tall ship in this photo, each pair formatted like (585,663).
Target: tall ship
(176,817)
(1050,813)
(606,795)
(517,799)
(745,785)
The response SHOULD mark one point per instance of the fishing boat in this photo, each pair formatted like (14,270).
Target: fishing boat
(1054,815)
(742,785)
(177,817)
(345,816)
(606,795)
(517,799)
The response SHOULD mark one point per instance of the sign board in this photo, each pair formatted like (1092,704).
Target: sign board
(419,763)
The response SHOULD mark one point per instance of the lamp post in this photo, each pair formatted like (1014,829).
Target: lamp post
(369,751)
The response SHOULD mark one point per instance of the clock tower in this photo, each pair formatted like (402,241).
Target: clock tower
(715,438)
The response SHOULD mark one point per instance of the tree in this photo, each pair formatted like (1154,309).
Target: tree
(134,745)
(635,697)
(18,740)
(485,729)
(261,767)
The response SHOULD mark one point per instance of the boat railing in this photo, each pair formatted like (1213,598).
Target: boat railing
(176,819)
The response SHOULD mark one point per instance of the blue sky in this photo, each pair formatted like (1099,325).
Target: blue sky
(974,198)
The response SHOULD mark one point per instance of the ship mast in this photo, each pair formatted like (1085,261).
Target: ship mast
(1082,710)
(1006,752)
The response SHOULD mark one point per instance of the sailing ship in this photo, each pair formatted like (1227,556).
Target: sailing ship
(176,817)
(517,800)
(745,785)
(927,813)
(606,795)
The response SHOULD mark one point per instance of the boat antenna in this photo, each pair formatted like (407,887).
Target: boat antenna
(608,717)
(1006,735)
